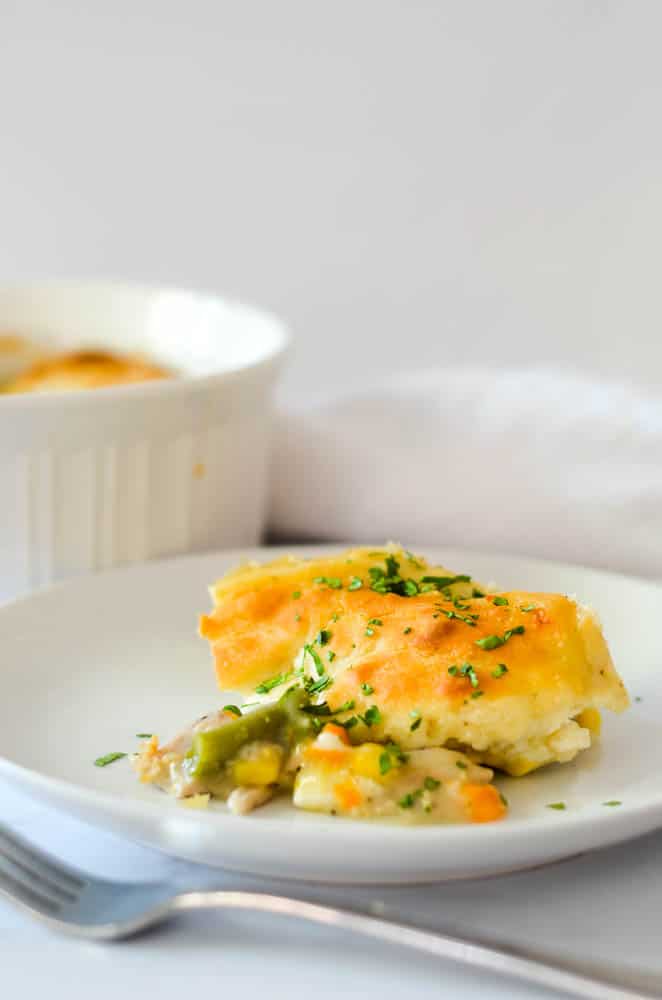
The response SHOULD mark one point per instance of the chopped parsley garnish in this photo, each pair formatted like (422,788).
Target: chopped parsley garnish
(407,801)
(556,805)
(501,601)
(638,698)
(407,630)
(477,593)
(232,709)
(466,670)
(369,631)
(266,686)
(415,724)
(321,709)
(148,736)
(367,688)
(107,759)
(385,762)
(389,580)
(494,641)
(297,618)
(527,607)
(316,687)
(445,581)
(372,716)
(331,581)
(397,752)
(375,621)
(346,706)
(315,656)
(461,764)
(335,616)
(612,802)
(477,694)
(467,619)
(331,655)
(355,583)
(349,723)
(324,637)
(500,670)
(431,784)
(296,594)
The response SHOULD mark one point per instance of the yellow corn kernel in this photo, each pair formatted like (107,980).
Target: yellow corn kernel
(520,766)
(365,761)
(196,801)
(261,768)
(590,719)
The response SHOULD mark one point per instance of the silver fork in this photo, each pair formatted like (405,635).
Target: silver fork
(69,901)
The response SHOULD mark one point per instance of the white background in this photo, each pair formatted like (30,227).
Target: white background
(407,183)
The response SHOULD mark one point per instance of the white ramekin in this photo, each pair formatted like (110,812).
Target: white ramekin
(98,478)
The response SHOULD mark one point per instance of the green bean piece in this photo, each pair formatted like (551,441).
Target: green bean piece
(281,722)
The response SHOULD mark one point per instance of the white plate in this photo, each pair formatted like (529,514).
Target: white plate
(90,663)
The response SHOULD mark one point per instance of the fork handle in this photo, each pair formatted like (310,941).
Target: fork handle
(502,960)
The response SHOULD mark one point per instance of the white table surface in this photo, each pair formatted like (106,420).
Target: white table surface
(602,908)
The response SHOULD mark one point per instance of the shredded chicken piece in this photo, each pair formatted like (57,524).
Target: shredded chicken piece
(244,800)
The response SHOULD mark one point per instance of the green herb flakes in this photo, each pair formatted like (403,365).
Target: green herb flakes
(317,686)
(367,688)
(461,764)
(500,670)
(500,601)
(466,670)
(232,709)
(372,716)
(385,762)
(439,582)
(494,641)
(107,759)
(355,583)
(148,736)
(375,621)
(296,594)
(613,802)
(415,724)
(331,656)
(266,686)
(559,806)
(309,650)
(407,630)
(527,607)
(431,784)
(324,637)
(331,581)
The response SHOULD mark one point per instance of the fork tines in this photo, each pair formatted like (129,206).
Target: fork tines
(30,875)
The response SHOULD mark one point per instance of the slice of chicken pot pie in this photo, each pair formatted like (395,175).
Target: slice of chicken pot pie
(386,686)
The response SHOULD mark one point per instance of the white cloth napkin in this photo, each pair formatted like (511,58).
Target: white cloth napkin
(535,462)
